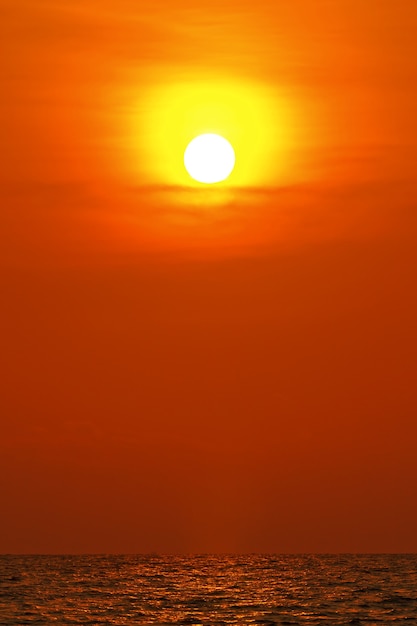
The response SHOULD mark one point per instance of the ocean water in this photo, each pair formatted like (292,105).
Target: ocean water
(208,590)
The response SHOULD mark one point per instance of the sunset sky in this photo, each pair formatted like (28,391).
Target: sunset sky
(190,368)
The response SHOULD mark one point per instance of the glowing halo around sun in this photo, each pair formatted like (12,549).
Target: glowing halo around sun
(258,120)
(209,158)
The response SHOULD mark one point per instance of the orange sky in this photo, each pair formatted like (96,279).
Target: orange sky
(194,370)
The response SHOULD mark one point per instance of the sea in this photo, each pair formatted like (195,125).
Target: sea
(212,590)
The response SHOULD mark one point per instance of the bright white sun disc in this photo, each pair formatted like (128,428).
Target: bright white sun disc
(209,158)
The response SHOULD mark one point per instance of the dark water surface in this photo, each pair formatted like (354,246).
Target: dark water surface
(215,590)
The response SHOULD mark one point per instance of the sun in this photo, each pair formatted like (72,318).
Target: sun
(209,158)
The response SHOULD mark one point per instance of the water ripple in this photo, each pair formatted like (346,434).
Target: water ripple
(208,590)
